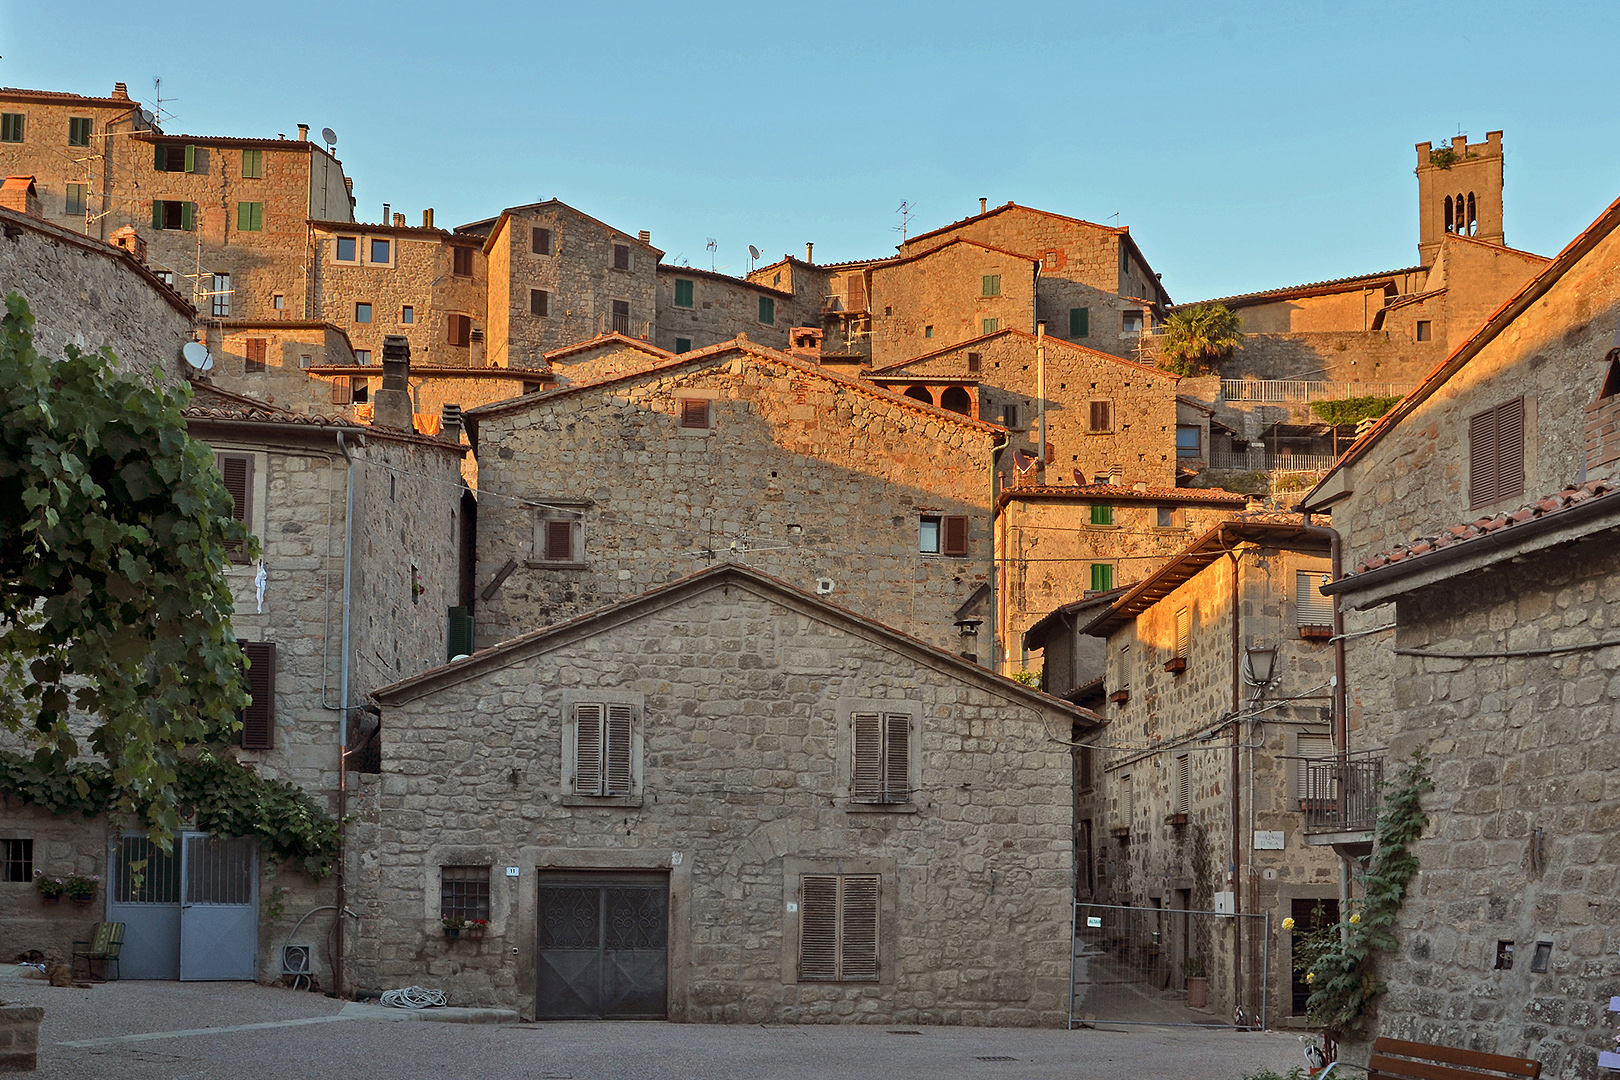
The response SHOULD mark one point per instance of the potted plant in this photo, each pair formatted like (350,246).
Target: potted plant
(80,889)
(453,926)
(1192,969)
(50,889)
(476,928)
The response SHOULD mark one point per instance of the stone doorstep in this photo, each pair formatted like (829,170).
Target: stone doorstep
(365,1010)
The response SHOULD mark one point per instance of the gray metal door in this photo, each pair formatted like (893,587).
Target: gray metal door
(603,946)
(144,895)
(219,907)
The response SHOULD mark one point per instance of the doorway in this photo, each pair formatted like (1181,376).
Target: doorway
(192,914)
(603,946)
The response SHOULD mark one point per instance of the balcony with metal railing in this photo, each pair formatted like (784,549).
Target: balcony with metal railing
(1340,797)
(1262,461)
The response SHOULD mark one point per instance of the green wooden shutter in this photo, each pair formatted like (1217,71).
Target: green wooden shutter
(1102,577)
(1079,322)
(157,213)
(683,293)
(191,159)
(767,310)
(188,216)
(1101,514)
(160,157)
(459,640)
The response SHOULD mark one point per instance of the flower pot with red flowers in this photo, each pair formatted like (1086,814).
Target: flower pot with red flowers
(50,889)
(82,890)
(476,929)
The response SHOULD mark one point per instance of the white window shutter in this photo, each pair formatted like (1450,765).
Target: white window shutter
(616,750)
(896,758)
(1314,748)
(1311,608)
(858,944)
(587,749)
(818,927)
(866,736)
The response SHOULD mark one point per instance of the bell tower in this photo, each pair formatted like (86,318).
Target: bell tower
(1459,192)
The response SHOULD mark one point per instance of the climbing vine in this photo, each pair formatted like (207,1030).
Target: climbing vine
(223,795)
(1352,410)
(1344,983)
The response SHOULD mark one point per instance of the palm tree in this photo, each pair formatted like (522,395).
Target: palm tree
(1199,338)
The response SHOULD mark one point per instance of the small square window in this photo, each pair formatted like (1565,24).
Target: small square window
(380,250)
(1424,329)
(346,247)
(559,539)
(683,292)
(11,127)
(1189,441)
(539,302)
(461,261)
(621,257)
(363,358)
(694,413)
(928,331)
(1167,517)
(278,302)
(464,892)
(16,860)
(77,200)
(1102,514)
(990,285)
(407,315)
(252,164)
(362,313)
(942,535)
(767,310)
(989,326)
(79,131)
(1131,322)
(1102,577)
(683,345)
(174,157)
(540,241)
(458,329)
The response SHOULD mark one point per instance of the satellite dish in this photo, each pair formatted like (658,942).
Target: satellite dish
(328,136)
(753,252)
(196,354)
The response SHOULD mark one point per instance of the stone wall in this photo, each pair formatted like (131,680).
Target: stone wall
(19,1037)
(740,792)
(724,307)
(935,299)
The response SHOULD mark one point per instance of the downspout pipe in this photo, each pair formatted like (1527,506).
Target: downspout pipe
(1341,718)
(342,885)
(1236,780)
(995,563)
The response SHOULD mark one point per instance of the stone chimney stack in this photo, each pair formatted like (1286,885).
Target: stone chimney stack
(120,91)
(644,236)
(982,203)
(450,423)
(391,407)
(130,240)
(303,133)
(19,193)
(399,221)
(427,218)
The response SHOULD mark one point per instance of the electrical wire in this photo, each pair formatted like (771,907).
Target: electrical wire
(1510,654)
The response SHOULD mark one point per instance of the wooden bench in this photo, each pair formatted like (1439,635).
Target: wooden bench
(1393,1059)
(106,941)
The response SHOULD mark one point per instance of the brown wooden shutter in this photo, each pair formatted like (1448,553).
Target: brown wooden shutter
(858,929)
(1101,420)
(237,469)
(897,758)
(257,350)
(1482,458)
(866,772)
(616,750)
(559,541)
(587,749)
(1510,449)
(259,718)
(956,536)
(694,413)
(461,260)
(342,390)
(459,328)
(818,927)
(857,292)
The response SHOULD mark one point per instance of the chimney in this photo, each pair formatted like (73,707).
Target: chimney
(450,423)
(19,193)
(644,236)
(427,218)
(391,406)
(303,133)
(348,184)
(386,211)
(399,221)
(981,205)
(809,250)
(805,341)
(127,238)
(120,91)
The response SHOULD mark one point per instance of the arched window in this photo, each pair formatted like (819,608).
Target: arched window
(920,393)
(1473,218)
(956,400)
(1450,224)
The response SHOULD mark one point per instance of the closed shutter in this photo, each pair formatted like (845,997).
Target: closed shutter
(559,541)
(539,302)
(191,159)
(237,471)
(857,292)
(818,927)
(1183,784)
(1482,458)
(896,758)
(866,773)
(683,293)
(1101,514)
(157,213)
(1101,415)
(160,157)
(1183,632)
(459,636)
(767,310)
(1079,322)
(587,749)
(259,718)
(1311,608)
(616,750)
(956,535)
(342,390)
(1102,577)
(460,329)
(694,413)
(1496,454)
(1313,747)
(257,351)
(858,945)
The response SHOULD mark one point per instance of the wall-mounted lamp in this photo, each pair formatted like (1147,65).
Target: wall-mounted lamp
(1260,664)
(969,627)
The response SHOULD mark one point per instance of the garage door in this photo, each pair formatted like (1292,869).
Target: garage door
(604,946)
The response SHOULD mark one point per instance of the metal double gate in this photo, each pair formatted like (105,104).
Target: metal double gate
(603,946)
(189,915)
(1138,965)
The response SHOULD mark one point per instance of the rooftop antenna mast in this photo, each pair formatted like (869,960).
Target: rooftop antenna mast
(160,114)
(711,246)
(905,210)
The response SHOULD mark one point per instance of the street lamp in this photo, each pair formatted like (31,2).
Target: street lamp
(1261,662)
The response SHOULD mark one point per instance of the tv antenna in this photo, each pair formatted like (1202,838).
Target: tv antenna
(711,246)
(905,210)
(753,257)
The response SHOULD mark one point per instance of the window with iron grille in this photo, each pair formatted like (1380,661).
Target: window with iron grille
(880,748)
(16,860)
(838,927)
(464,892)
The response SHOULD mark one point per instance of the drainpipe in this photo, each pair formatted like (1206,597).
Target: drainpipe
(1040,394)
(343,723)
(1341,718)
(1236,778)
(995,563)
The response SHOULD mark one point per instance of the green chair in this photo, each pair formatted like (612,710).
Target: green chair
(105,942)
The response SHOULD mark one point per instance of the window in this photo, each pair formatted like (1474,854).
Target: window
(78,131)
(259,718)
(380,250)
(342,391)
(237,471)
(989,326)
(1087,769)
(683,344)
(174,157)
(1308,747)
(621,317)
(531,387)
(1132,322)
(407,315)
(880,757)
(1183,632)
(347,248)
(539,302)
(683,292)
(838,927)
(603,754)
(1496,454)
(1009,416)
(1424,330)
(362,313)
(1183,784)
(1102,514)
(16,860)
(1100,418)
(169,214)
(464,893)
(621,257)
(1311,608)
(990,285)
(11,127)
(77,200)
(694,413)
(943,535)
(166,276)
(1079,322)
(1102,576)
(459,329)
(928,331)
(278,302)
(1127,801)
(361,392)
(767,310)
(252,164)
(461,260)
(249,216)
(1189,441)
(540,242)
(975,361)
(363,358)
(257,348)
(1167,517)
(220,292)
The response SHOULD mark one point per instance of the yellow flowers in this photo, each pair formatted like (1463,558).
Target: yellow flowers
(1288,924)
(1310,977)
(1354,919)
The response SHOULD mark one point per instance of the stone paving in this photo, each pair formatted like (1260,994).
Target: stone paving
(241,1031)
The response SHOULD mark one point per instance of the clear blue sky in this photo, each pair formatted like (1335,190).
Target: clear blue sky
(1246,145)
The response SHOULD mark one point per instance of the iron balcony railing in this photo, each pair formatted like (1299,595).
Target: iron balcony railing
(1263,462)
(1282,390)
(1340,795)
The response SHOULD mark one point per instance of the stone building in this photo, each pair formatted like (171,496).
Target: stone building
(821,821)
(941,296)
(1479,518)
(1194,796)
(600,490)
(1056,544)
(699,308)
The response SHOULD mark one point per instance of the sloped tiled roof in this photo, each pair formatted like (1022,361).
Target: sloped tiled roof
(1124,493)
(895,370)
(1310,288)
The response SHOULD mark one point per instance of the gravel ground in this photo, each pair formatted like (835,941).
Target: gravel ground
(330,1047)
